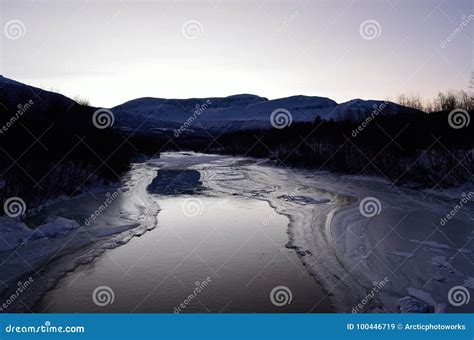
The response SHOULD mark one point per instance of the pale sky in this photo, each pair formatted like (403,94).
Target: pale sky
(113,51)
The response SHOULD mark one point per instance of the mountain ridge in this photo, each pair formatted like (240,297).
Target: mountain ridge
(231,113)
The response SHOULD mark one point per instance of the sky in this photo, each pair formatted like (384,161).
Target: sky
(109,52)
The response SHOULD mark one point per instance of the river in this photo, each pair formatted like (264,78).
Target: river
(192,232)
(225,245)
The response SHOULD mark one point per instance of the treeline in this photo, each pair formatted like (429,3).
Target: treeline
(443,102)
(50,147)
(421,149)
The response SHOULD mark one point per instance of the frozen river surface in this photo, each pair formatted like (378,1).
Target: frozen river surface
(206,233)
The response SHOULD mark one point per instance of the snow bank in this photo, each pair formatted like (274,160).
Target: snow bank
(61,243)
(348,251)
(12,233)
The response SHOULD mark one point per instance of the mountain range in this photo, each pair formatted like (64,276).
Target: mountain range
(214,114)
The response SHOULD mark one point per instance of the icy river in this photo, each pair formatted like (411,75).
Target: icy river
(206,233)
(220,243)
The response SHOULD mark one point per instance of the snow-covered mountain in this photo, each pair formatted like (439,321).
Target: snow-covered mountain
(232,113)
(214,114)
(242,112)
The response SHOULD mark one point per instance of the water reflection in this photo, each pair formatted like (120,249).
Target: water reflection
(176,182)
(226,245)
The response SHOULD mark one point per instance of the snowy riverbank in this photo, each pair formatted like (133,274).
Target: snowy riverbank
(351,249)
(74,232)
(396,241)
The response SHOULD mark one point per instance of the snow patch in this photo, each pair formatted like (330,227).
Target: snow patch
(54,226)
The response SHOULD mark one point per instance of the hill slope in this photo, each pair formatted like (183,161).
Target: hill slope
(242,112)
